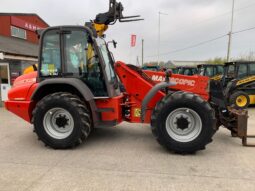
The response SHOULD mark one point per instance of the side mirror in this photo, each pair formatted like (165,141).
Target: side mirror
(113,42)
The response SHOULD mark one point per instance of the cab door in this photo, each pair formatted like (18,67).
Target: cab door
(69,52)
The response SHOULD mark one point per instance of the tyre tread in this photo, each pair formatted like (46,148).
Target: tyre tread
(170,99)
(84,115)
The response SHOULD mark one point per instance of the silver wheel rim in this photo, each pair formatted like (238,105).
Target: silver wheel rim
(183,125)
(58,123)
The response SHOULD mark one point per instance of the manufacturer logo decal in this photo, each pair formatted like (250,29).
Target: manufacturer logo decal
(177,81)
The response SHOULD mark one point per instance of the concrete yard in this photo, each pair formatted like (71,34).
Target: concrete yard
(122,158)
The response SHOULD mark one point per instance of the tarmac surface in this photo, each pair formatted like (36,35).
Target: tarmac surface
(122,158)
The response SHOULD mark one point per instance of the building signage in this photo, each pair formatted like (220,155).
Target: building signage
(24,24)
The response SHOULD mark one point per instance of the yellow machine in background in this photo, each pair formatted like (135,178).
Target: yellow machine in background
(30,69)
(239,82)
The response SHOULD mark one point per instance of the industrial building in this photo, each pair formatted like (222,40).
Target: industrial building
(18,46)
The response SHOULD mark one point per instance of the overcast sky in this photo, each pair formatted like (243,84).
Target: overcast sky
(188,23)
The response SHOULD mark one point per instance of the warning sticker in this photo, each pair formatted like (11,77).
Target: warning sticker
(137,112)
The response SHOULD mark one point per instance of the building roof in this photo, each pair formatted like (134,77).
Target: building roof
(24,14)
(12,45)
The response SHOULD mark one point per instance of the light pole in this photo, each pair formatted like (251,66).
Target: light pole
(159,14)
(231,32)
(142,52)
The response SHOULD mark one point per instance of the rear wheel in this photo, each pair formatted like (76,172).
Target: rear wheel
(183,122)
(61,120)
(240,100)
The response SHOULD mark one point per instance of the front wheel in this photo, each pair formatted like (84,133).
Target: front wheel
(183,122)
(61,120)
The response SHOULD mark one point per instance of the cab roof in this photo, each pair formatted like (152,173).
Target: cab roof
(200,65)
(239,62)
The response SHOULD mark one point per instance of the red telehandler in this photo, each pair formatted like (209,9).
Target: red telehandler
(78,87)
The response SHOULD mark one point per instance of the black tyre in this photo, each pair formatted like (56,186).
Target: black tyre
(61,120)
(240,100)
(183,122)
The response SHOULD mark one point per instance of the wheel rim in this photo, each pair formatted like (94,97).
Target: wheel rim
(58,123)
(241,101)
(183,125)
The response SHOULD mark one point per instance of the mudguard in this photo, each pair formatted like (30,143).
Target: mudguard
(77,84)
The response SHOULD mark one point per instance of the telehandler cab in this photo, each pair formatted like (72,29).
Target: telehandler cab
(77,88)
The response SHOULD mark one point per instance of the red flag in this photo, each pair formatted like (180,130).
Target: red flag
(133,40)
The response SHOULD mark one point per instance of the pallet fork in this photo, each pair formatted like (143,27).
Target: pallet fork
(242,130)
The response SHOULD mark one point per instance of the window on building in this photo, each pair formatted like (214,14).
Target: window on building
(18,32)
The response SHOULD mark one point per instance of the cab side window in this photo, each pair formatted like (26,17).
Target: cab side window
(82,61)
(220,69)
(50,61)
(252,69)
(194,71)
(209,71)
(231,71)
(187,72)
(75,52)
(243,70)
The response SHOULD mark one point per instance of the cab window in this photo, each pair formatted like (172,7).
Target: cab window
(82,61)
(50,57)
(243,70)
(194,71)
(252,69)
(187,72)
(107,59)
(231,71)
(220,69)
(210,71)
(75,52)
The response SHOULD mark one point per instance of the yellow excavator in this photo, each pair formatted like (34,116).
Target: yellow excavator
(100,25)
